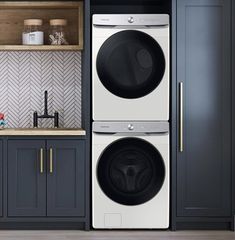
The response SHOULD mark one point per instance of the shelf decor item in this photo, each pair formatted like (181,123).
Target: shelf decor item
(57,35)
(33,34)
(2,121)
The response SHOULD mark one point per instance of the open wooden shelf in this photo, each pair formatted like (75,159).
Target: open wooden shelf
(13,14)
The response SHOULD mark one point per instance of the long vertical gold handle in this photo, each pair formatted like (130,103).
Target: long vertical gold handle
(181,118)
(51,160)
(41,160)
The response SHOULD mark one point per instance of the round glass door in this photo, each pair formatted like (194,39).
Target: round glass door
(130,171)
(130,64)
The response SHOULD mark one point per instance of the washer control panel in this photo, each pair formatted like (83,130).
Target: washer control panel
(124,127)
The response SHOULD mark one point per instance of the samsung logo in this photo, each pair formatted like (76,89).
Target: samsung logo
(105,19)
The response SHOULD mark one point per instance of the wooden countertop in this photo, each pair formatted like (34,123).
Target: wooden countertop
(42,132)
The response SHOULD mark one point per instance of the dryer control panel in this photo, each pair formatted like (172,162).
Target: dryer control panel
(133,19)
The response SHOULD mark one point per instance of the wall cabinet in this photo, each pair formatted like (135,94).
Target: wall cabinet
(46,178)
(203,66)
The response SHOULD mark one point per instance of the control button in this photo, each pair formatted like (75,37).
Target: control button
(130,127)
(130,19)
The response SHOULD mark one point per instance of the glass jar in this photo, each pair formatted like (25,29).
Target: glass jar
(57,35)
(33,34)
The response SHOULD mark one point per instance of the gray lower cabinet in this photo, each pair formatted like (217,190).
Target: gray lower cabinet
(65,180)
(26,184)
(204,108)
(1,176)
(46,178)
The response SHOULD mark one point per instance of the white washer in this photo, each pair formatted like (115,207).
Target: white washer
(130,67)
(130,175)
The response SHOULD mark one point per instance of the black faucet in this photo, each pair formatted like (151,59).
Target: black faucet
(45,115)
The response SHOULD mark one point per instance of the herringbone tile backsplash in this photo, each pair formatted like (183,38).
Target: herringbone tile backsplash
(24,76)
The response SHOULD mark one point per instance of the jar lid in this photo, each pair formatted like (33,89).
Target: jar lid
(33,22)
(61,22)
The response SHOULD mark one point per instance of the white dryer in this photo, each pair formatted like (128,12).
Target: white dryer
(130,175)
(130,67)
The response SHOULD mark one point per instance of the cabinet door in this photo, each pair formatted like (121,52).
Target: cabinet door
(26,178)
(233,101)
(65,181)
(204,68)
(1,176)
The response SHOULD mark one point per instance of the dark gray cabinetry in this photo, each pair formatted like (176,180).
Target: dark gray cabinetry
(233,105)
(203,123)
(65,181)
(1,176)
(46,178)
(26,184)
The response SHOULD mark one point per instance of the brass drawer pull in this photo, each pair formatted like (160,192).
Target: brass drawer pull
(181,118)
(41,160)
(51,160)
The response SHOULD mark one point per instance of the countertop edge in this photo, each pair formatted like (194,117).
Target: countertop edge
(15,132)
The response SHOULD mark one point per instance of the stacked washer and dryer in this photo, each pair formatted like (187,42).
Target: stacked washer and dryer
(130,135)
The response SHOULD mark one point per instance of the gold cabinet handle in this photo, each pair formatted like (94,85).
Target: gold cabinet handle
(181,117)
(51,160)
(41,160)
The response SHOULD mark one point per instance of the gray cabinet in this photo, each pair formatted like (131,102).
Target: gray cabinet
(1,176)
(46,178)
(26,181)
(233,106)
(65,181)
(204,108)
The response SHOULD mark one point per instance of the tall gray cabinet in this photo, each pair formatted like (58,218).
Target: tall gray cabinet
(233,109)
(202,114)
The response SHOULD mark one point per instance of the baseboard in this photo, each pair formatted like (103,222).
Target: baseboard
(43,226)
(203,226)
